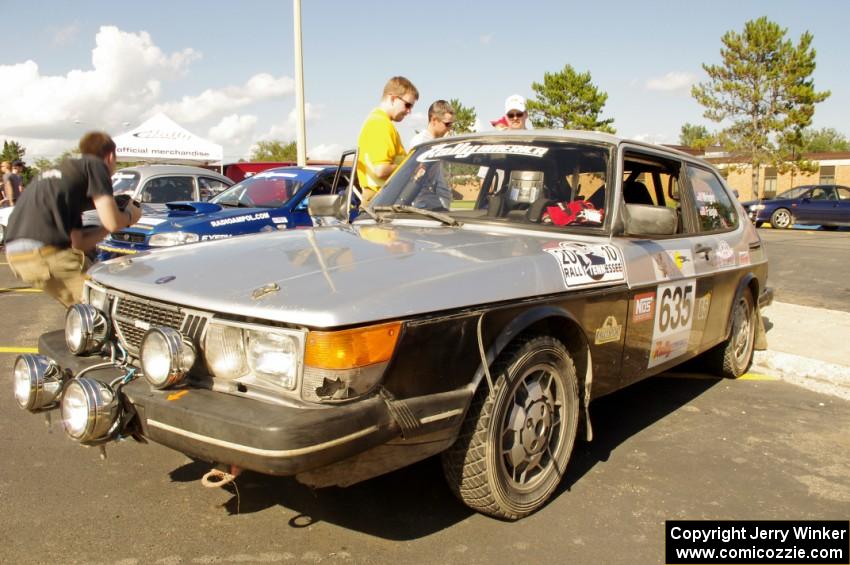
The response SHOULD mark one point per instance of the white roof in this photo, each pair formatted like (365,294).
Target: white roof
(161,140)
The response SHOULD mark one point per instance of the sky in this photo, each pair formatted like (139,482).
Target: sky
(225,70)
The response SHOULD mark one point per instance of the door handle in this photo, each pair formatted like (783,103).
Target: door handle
(700,248)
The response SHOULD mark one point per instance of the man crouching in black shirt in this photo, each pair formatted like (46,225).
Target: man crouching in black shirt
(45,242)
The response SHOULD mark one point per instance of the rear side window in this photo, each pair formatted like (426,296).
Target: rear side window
(160,190)
(714,207)
(124,182)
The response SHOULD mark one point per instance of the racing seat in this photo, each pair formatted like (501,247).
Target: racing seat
(635,192)
(524,188)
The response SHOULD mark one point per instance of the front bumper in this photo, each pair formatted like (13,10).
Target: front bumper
(269,438)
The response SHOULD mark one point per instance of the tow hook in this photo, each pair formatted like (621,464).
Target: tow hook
(216,478)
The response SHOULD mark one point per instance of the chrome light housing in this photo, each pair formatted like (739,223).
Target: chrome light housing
(95,295)
(38,382)
(86,329)
(167,356)
(171,238)
(254,354)
(90,409)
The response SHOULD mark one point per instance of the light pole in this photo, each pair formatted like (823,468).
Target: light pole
(301,137)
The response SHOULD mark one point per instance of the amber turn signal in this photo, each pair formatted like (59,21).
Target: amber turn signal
(349,349)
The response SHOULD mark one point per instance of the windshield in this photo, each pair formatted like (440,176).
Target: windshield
(269,189)
(124,182)
(503,179)
(795,192)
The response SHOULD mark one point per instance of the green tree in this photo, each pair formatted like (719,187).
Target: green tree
(824,140)
(695,136)
(275,151)
(464,117)
(764,91)
(568,100)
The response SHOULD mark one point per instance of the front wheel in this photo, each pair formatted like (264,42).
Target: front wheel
(781,219)
(514,445)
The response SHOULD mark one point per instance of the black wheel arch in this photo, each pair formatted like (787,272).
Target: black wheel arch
(748,283)
(539,320)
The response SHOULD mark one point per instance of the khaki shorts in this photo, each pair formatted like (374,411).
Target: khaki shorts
(59,272)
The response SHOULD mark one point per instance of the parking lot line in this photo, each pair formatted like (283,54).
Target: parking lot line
(757,377)
(18,349)
(21,289)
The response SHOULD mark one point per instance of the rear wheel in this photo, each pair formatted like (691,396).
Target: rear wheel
(732,358)
(514,445)
(781,219)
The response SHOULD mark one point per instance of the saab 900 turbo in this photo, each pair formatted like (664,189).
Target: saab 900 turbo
(493,289)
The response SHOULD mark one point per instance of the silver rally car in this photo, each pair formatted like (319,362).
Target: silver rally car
(495,287)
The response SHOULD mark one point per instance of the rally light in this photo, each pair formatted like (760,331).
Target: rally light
(90,409)
(167,356)
(38,382)
(86,329)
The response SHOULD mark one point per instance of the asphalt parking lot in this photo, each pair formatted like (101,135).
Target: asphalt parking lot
(679,446)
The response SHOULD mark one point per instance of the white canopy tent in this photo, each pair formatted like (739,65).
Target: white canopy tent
(161,140)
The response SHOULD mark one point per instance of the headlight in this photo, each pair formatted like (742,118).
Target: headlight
(167,356)
(168,239)
(254,354)
(95,296)
(89,410)
(756,207)
(38,382)
(86,329)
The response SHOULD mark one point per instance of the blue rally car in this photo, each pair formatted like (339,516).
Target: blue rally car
(275,199)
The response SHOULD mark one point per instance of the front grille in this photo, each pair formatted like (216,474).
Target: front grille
(133,316)
(128,237)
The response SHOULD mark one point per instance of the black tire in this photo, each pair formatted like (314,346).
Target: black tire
(732,358)
(514,445)
(781,219)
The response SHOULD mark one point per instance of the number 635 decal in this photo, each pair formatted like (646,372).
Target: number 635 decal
(675,308)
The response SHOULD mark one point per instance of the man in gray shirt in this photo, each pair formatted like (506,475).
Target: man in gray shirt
(12,181)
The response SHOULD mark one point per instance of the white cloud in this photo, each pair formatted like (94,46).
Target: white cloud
(325,152)
(211,102)
(233,129)
(287,130)
(485,39)
(124,80)
(65,35)
(672,82)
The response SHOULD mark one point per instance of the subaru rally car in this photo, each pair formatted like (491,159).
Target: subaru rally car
(563,267)
(275,199)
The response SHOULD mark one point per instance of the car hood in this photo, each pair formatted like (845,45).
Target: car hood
(185,216)
(343,275)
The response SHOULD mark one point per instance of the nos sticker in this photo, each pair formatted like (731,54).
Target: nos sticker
(674,314)
(583,264)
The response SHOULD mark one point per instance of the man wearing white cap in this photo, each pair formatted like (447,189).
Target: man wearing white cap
(515,112)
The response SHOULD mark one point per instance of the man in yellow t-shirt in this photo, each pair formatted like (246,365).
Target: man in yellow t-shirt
(379,145)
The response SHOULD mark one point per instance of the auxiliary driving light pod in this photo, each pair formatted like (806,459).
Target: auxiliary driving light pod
(167,356)
(38,382)
(89,410)
(86,329)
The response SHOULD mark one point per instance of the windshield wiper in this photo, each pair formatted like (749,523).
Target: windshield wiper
(444,218)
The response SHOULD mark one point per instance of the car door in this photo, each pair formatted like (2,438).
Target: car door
(671,277)
(817,206)
(842,211)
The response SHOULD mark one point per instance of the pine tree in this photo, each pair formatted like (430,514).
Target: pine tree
(568,100)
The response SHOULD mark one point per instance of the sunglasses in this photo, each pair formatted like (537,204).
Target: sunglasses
(407,105)
(448,124)
(515,115)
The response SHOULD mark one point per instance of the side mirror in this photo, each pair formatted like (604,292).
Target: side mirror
(642,219)
(327,205)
